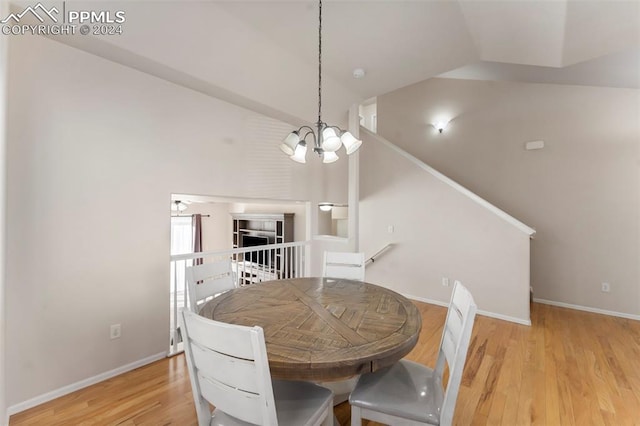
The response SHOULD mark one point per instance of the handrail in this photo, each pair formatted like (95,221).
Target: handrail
(272,261)
(378,253)
(187,256)
(455,185)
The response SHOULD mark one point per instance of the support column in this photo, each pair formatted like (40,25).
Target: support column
(354,183)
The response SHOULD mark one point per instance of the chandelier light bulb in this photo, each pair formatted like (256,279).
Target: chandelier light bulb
(300,153)
(329,157)
(289,143)
(330,141)
(351,144)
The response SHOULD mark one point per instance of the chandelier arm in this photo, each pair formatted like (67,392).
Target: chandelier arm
(310,132)
(309,129)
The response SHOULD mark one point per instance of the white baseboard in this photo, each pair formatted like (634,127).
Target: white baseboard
(425,300)
(505,317)
(57,393)
(480,312)
(587,309)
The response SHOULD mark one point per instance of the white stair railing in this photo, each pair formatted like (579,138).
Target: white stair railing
(251,265)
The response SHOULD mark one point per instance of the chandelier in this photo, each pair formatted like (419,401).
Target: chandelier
(326,139)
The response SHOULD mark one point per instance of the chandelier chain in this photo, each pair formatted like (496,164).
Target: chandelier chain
(296,143)
(319,64)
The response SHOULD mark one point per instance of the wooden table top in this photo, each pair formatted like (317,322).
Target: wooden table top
(323,328)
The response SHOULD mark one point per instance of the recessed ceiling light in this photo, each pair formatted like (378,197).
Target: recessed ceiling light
(358,73)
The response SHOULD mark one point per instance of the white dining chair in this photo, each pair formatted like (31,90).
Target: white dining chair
(349,266)
(208,280)
(228,368)
(408,393)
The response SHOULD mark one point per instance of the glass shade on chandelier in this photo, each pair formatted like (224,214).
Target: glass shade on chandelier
(290,143)
(300,153)
(325,146)
(326,139)
(351,144)
(330,141)
(329,157)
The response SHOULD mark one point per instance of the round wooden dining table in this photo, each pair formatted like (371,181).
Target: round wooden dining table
(323,329)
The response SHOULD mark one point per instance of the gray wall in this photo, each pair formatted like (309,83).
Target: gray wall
(581,192)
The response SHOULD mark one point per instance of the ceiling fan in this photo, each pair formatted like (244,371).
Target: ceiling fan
(179,206)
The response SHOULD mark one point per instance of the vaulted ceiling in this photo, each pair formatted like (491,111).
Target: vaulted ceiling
(264,53)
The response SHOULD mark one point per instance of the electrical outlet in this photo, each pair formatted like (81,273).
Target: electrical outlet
(115,331)
(445,281)
(606,287)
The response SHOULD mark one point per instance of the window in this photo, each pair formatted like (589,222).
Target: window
(181,235)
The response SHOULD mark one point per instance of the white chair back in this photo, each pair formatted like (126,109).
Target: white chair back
(228,368)
(408,393)
(349,266)
(454,345)
(207,280)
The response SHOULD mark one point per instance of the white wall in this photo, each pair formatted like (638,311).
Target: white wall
(368,112)
(220,56)
(217,228)
(324,222)
(438,232)
(95,151)
(581,192)
(334,222)
(4,9)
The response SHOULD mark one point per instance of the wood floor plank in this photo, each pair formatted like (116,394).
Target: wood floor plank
(497,408)
(568,368)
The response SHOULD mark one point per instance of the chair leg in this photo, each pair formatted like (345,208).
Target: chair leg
(356,416)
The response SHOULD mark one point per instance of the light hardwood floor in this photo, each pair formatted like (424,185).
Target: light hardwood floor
(569,368)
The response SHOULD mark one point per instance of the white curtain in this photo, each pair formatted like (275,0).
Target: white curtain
(181,235)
